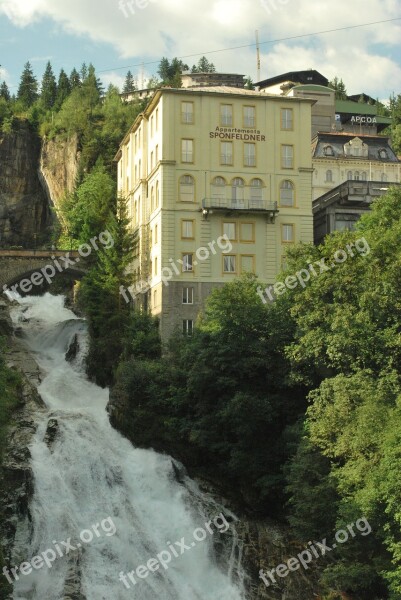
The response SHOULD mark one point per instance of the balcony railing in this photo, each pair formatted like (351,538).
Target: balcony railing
(234,204)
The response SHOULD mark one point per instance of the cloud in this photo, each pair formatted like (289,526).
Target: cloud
(366,58)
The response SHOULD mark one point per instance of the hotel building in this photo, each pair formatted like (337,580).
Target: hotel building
(202,163)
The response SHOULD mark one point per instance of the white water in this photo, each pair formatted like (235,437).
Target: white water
(91,473)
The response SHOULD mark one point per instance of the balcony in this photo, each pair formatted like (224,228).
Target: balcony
(230,206)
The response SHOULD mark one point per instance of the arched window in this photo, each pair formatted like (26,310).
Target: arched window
(328,151)
(356,176)
(349,175)
(384,177)
(256,193)
(329,175)
(219,188)
(286,193)
(364,176)
(237,192)
(187,188)
(383,153)
(157,194)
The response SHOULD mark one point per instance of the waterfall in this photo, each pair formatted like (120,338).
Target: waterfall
(130,502)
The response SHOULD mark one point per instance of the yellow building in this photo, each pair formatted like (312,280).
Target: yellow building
(219,183)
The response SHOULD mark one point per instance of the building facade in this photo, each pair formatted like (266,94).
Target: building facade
(218,182)
(338,157)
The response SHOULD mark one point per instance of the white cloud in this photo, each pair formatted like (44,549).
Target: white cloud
(179,27)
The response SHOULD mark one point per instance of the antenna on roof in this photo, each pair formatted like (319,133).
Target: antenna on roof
(257,55)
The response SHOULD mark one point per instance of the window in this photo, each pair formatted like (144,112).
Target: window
(187,263)
(157,119)
(219,188)
(247,232)
(187,112)
(247,263)
(384,177)
(155,237)
(383,153)
(329,176)
(249,155)
(187,151)
(154,298)
(187,229)
(237,192)
(364,176)
(229,265)
(226,114)
(152,199)
(157,153)
(187,327)
(356,176)
(230,230)
(287,157)
(187,188)
(155,263)
(226,153)
(349,175)
(256,193)
(286,193)
(188,295)
(249,116)
(287,233)
(287,118)
(328,151)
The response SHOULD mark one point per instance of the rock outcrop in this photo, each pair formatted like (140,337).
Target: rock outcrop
(59,167)
(25,214)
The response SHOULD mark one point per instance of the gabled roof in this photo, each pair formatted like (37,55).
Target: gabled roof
(302,77)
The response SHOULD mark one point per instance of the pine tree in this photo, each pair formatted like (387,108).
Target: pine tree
(75,80)
(4,91)
(204,66)
(63,89)
(339,87)
(129,85)
(49,88)
(28,87)
(83,72)
(248,84)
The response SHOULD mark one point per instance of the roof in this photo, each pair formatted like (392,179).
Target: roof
(313,88)
(375,143)
(308,76)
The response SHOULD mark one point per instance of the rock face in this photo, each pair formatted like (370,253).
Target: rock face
(25,214)
(59,167)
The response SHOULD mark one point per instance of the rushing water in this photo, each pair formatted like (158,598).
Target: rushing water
(89,474)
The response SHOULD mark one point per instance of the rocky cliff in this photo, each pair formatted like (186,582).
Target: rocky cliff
(59,167)
(25,214)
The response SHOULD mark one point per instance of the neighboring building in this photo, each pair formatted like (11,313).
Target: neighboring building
(341,207)
(337,157)
(206,162)
(328,113)
(191,80)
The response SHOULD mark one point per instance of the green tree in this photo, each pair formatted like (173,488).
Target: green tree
(75,80)
(129,85)
(28,87)
(5,92)
(171,72)
(249,85)
(203,66)
(49,88)
(63,89)
(339,87)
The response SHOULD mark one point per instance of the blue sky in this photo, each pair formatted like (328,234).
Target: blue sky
(111,34)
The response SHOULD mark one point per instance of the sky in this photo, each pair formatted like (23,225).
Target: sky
(117,35)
